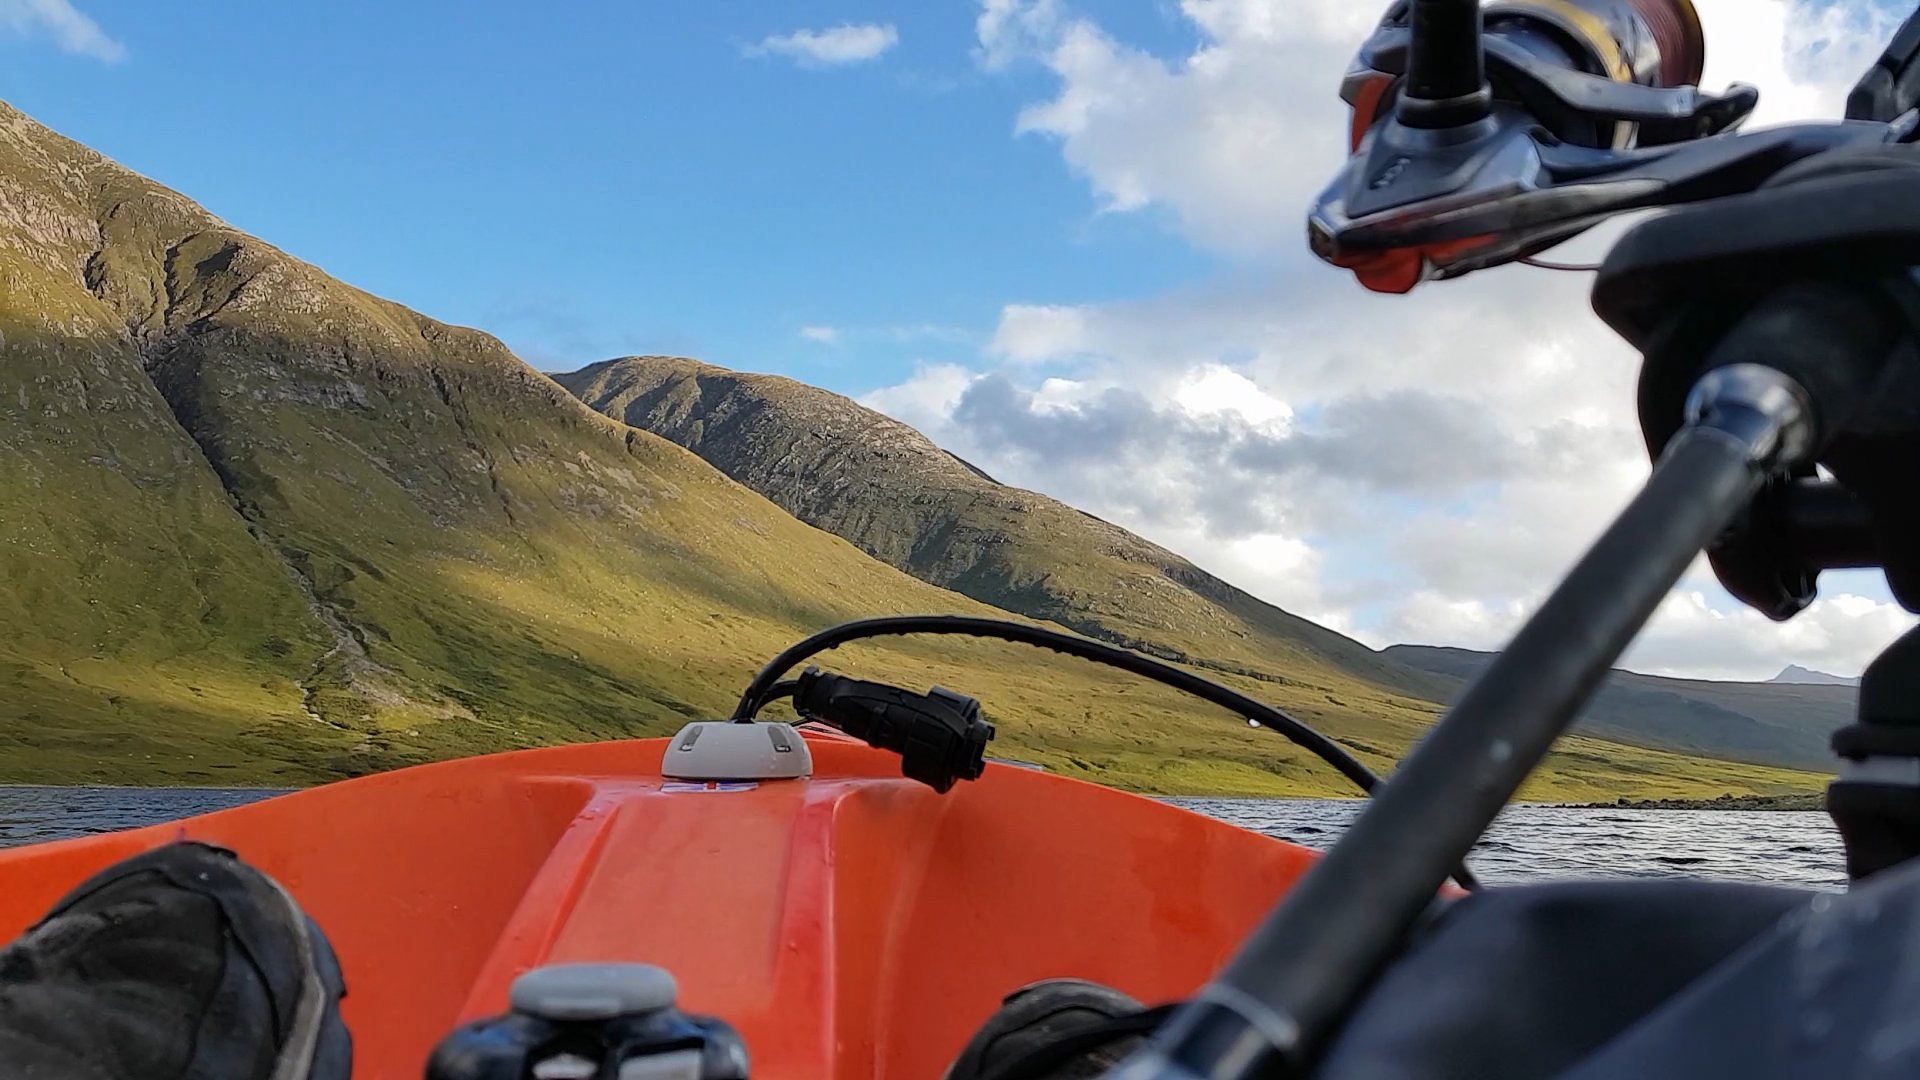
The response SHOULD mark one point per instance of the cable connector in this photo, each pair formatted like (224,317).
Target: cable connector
(939,735)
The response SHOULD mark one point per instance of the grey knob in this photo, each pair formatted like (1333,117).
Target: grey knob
(591,991)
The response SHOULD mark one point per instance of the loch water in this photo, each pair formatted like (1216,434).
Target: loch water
(1528,843)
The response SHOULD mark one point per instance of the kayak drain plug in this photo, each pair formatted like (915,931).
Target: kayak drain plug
(939,735)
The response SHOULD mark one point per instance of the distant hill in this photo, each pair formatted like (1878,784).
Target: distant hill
(1770,723)
(1795,675)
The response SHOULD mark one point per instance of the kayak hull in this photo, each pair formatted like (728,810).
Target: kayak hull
(851,924)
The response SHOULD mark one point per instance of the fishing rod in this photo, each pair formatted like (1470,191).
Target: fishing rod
(1777,316)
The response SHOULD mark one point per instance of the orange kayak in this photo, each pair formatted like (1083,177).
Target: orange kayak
(849,924)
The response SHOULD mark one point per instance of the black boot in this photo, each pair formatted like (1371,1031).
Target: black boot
(179,964)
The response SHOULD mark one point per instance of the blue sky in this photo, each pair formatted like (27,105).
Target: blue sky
(592,179)
(1062,237)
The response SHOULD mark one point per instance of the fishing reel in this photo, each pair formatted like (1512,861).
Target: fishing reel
(1485,132)
(1599,73)
(1484,135)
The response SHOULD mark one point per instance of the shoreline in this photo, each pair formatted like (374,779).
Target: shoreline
(1796,802)
(1800,801)
(275,789)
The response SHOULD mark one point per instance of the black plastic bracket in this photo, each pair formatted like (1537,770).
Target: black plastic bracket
(1772,557)
(1891,86)
(1710,261)
(1675,284)
(939,735)
(1876,801)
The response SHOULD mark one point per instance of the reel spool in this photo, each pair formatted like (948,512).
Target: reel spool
(1657,44)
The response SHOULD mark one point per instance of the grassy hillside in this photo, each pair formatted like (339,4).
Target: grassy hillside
(139,615)
(1784,724)
(259,526)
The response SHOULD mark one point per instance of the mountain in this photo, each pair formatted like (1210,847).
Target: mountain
(261,526)
(887,488)
(1795,675)
(1770,723)
(258,526)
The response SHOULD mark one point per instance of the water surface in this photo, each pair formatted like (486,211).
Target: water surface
(1532,843)
(1528,843)
(29,815)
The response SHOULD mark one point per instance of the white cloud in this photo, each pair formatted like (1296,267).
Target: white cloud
(1286,571)
(1029,332)
(1232,139)
(1434,617)
(890,334)
(1697,634)
(69,27)
(1010,30)
(1804,56)
(926,400)
(848,43)
(1410,468)
(1213,389)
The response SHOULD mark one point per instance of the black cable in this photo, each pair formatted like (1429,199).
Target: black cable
(779,691)
(765,686)
(762,690)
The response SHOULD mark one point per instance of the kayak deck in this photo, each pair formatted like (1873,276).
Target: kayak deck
(854,924)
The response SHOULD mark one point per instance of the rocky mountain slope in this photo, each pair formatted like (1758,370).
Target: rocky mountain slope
(887,488)
(259,526)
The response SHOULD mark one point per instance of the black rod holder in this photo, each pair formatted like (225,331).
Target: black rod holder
(1875,801)
(1271,1009)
